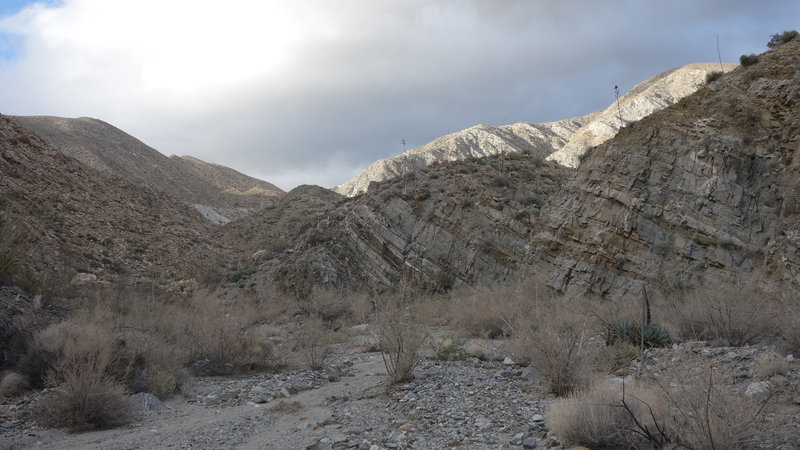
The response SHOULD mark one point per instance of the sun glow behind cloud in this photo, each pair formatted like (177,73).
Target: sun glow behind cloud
(175,45)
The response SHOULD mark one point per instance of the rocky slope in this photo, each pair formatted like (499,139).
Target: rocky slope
(219,193)
(538,139)
(450,224)
(698,191)
(564,141)
(647,97)
(70,218)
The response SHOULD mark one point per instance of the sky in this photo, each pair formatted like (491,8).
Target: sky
(313,91)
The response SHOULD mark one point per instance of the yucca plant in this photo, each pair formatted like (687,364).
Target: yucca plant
(630,331)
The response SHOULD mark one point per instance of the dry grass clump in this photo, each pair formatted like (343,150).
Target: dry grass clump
(484,312)
(400,340)
(13,383)
(554,335)
(90,373)
(312,342)
(606,416)
(738,314)
(691,415)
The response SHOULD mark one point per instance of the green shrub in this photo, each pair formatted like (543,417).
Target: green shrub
(713,76)
(450,350)
(778,39)
(630,331)
(748,60)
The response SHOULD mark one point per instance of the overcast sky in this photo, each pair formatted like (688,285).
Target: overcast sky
(313,91)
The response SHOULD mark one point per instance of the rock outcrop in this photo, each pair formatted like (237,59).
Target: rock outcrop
(539,139)
(702,190)
(564,141)
(647,97)
(222,193)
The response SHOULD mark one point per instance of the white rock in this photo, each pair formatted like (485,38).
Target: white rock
(758,388)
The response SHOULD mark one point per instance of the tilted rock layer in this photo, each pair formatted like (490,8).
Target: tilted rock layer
(700,191)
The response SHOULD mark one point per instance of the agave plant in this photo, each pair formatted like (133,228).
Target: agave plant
(630,331)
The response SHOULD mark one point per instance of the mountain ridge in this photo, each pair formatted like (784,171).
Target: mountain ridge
(106,148)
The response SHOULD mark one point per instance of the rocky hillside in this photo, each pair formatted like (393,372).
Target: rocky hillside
(449,224)
(647,97)
(564,141)
(219,193)
(67,218)
(538,139)
(696,192)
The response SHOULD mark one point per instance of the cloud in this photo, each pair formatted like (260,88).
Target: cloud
(313,91)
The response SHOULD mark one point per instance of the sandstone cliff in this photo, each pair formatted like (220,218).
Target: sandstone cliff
(222,194)
(701,190)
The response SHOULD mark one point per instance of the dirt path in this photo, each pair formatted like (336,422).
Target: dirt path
(287,423)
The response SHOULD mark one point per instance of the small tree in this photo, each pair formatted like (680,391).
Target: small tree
(778,39)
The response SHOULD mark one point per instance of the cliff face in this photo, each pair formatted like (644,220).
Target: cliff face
(699,191)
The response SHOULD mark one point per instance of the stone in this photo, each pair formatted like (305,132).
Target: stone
(81,279)
(779,380)
(210,400)
(758,389)
(145,401)
(536,418)
(322,444)
(530,442)
(508,361)
(531,373)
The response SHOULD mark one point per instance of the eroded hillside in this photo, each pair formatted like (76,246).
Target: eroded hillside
(219,193)
(69,218)
(694,193)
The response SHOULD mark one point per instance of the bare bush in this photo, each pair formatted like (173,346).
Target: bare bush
(400,340)
(555,340)
(737,314)
(13,383)
(485,312)
(683,415)
(708,415)
(311,342)
(90,375)
(606,416)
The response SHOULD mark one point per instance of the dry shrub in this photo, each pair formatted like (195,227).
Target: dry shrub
(702,415)
(706,414)
(605,415)
(485,312)
(310,341)
(738,314)
(11,247)
(555,338)
(13,383)
(770,365)
(400,339)
(90,372)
